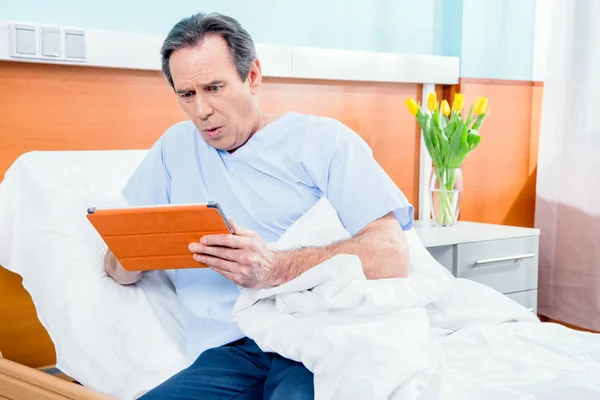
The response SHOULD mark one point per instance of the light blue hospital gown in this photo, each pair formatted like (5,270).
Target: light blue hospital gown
(265,185)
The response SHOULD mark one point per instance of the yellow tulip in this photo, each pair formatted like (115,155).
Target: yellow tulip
(413,106)
(432,101)
(458,102)
(445,108)
(481,105)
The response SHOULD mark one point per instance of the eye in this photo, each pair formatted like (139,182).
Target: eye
(187,95)
(215,89)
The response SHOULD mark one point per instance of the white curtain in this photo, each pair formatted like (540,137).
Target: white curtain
(568,180)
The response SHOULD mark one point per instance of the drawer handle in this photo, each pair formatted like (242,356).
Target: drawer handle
(502,259)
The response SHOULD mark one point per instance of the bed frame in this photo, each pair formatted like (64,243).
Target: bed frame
(83,108)
(20,382)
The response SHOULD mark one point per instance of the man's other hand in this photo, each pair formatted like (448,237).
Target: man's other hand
(243,258)
(115,270)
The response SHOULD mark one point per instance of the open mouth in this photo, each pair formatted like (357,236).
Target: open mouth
(213,132)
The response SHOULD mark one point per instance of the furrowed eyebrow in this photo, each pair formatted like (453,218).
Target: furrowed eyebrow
(214,83)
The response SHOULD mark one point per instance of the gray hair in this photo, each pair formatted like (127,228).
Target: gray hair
(190,31)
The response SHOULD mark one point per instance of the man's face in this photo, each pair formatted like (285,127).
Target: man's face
(210,91)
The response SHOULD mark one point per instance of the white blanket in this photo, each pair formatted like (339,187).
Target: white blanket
(389,339)
(363,339)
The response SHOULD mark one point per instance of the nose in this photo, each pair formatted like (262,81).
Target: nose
(204,108)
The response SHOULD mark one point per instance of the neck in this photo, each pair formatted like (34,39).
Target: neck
(261,121)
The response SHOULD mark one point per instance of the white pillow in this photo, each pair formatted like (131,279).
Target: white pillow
(118,340)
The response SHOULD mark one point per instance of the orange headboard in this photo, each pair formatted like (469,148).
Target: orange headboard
(51,107)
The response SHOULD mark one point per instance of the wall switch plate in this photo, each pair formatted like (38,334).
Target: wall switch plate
(52,43)
(74,45)
(23,41)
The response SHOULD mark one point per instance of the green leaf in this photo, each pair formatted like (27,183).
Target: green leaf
(430,140)
(455,143)
(429,146)
(442,142)
(476,142)
(422,119)
(463,149)
(436,118)
(443,122)
(479,120)
(469,116)
(473,140)
(435,139)
(453,123)
(460,144)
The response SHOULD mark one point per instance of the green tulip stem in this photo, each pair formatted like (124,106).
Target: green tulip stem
(445,196)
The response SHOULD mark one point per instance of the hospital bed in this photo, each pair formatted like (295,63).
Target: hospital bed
(83,154)
(122,340)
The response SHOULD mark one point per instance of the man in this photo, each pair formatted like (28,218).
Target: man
(266,172)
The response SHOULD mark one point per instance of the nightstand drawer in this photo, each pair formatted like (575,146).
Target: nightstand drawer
(527,299)
(508,265)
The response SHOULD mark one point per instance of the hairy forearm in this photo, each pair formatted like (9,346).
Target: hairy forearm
(381,249)
(115,270)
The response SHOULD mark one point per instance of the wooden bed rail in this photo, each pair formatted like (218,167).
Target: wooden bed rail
(18,382)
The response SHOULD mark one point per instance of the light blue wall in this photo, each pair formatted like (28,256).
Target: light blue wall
(448,20)
(493,38)
(498,39)
(402,26)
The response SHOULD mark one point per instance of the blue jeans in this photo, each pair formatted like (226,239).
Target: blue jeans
(241,371)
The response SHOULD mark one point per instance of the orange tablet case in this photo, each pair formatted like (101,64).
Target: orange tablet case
(148,238)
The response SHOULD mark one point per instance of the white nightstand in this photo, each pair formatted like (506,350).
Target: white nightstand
(502,257)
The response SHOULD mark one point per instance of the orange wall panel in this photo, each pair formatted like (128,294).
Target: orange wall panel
(22,336)
(499,176)
(50,107)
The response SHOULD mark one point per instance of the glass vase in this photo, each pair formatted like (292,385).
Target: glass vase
(445,186)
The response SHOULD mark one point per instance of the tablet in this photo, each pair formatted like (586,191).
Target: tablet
(157,237)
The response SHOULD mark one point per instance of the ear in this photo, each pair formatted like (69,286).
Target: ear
(255,76)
